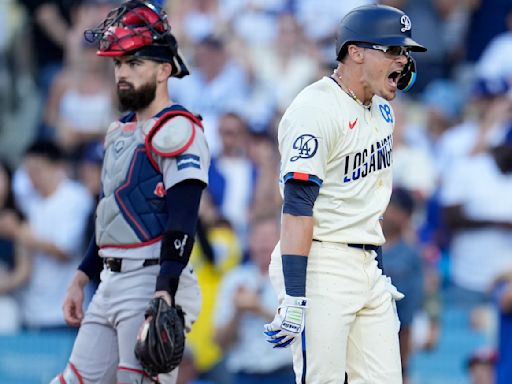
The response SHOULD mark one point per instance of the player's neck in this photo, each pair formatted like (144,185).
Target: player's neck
(351,88)
(160,102)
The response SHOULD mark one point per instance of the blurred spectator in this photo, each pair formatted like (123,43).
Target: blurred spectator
(5,37)
(53,233)
(402,262)
(248,16)
(487,20)
(502,293)
(413,166)
(217,85)
(51,21)
(323,32)
(80,105)
(245,303)
(201,18)
(288,65)
(14,260)
(496,62)
(485,124)
(481,365)
(480,221)
(232,175)
(263,153)
(442,106)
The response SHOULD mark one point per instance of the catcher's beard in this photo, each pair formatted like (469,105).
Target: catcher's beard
(135,99)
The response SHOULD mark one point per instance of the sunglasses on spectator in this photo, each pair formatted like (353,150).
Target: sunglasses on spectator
(392,50)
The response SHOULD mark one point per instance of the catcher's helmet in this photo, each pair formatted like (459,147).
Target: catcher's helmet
(377,24)
(138,28)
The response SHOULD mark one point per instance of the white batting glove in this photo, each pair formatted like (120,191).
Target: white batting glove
(288,323)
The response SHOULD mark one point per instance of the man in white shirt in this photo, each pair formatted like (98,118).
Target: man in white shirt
(54,234)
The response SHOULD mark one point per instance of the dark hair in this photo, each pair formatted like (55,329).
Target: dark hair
(47,149)
(212,41)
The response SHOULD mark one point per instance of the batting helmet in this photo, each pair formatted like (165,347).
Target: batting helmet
(138,28)
(377,24)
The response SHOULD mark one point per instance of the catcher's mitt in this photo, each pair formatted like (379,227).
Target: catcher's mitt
(161,341)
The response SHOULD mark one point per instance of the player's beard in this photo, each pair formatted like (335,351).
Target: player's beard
(135,99)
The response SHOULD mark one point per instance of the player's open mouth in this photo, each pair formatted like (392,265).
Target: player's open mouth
(393,78)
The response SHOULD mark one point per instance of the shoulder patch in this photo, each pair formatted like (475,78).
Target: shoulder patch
(174,137)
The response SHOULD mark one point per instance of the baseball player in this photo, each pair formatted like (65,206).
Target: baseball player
(335,141)
(154,170)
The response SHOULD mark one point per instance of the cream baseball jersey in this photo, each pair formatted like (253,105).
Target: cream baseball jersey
(328,138)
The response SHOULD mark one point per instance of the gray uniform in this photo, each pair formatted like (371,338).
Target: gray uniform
(131,217)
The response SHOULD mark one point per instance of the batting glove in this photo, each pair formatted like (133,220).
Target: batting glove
(288,323)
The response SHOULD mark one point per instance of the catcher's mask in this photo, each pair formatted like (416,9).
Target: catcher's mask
(138,28)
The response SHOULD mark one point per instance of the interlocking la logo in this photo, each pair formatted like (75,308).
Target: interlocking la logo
(306,146)
(406,22)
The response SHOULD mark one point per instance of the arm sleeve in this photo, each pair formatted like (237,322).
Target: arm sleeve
(183,201)
(92,263)
(300,197)
(183,205)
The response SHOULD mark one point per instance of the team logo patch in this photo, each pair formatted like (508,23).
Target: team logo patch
(188,161)
(306,146)
(406,22)
(385,111)
(159,190)
(119,146)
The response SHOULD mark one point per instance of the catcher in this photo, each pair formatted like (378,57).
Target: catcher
(154,171)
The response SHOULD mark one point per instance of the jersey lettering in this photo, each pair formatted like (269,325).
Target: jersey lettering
(358,166)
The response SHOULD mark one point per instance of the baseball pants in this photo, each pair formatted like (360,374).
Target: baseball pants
(351,321)
(103,350)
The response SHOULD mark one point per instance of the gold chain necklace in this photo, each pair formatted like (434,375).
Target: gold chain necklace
(350,92)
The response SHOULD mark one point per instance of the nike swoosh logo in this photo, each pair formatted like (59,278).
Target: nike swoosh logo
(352,124)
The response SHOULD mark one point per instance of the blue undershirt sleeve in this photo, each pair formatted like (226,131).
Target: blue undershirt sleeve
(92,263)
(183,208)
(300,197)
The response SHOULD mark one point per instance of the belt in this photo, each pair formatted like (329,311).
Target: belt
(115,263)
(365,247)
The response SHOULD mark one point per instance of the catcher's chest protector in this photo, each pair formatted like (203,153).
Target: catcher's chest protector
(132,209)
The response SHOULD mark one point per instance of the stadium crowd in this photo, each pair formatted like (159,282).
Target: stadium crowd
(448,226)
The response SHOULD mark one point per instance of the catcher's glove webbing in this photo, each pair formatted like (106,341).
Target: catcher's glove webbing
(161,342)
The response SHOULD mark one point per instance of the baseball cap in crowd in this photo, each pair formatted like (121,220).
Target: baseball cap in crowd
(484,87)
(444,96)
(93,153)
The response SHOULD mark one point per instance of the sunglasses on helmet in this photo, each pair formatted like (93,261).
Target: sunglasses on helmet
(392,50)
